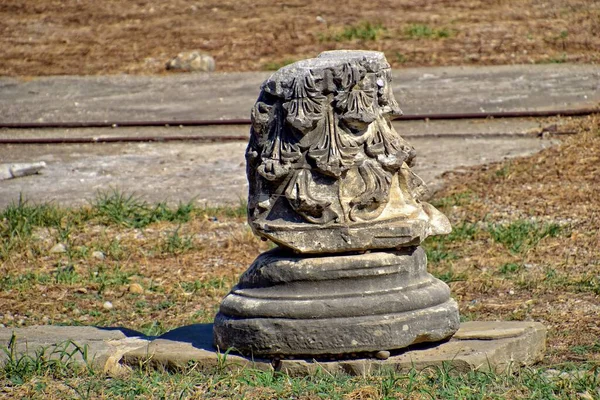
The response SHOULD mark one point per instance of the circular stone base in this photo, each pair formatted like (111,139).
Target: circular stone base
(295,305)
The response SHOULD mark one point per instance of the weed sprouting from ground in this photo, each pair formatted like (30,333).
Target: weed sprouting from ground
(58,361)
(364,31)
(19,219)
(434,382)
(128,210)
(421,31)
(176,243)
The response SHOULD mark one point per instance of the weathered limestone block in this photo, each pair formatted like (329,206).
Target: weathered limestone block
(331,184)
(327,170)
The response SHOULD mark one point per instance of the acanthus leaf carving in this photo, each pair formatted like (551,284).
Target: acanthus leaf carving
(368,204)
(323,151)
(298,193)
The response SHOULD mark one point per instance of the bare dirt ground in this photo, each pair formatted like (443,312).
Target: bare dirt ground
(44,37)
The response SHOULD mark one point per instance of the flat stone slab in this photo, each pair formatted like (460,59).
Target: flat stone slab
(478,345)
(101,347)
(231,95)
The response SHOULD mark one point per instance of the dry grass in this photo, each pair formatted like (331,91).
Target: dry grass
(183,269)
(43,37)
(556,280)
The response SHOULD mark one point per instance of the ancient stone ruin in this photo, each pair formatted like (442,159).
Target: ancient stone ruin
(331,184)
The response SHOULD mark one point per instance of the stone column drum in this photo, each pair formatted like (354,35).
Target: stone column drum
(331,185)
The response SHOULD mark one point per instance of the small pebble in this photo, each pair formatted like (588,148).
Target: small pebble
(107,305)
(382,354)
(136,288)
(98,255)
(58,248)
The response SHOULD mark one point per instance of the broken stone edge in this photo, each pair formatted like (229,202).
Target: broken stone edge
(100,348)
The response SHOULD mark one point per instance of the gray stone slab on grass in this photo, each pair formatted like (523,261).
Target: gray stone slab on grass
(189,344)
(478,345)
(102,348)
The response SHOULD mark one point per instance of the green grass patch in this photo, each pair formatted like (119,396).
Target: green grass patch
(520,236)
(211,285)
(422,31)
(583,350)
(60,361)
(437,252)
(364,30)
(43,378)
(436,247)
(23,281)
(19,221)
(455,200)
(510,268)
(275,65)
(20,218)
(118,208)
(174,243)
(450,275)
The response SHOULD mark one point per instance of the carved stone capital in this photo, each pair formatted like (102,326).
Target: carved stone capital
(331,184)
(327,170)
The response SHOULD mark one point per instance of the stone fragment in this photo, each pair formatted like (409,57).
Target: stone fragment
(9,171)
(382,354)
(192,61)
(107,305)
(5,172)
(58,248)
(136,288)
(175,349)
(483,330)
(98,255)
